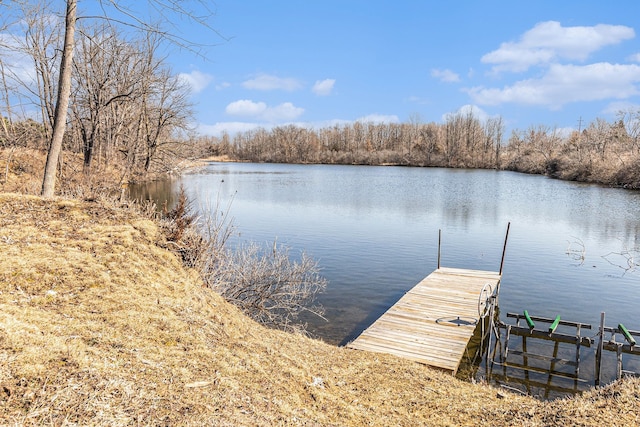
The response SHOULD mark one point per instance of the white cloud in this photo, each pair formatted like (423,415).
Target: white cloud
(476,111)
(246,107)
(323,87)
(446,75)
(285,111)
(549,42)
(197,80)
(259,110)
(268,82)
(634,58)
(229,127)
(379,118)
(563,84)
(613,108)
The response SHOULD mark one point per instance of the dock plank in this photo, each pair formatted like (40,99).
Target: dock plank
(421,325)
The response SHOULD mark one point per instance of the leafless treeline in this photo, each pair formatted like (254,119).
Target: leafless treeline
(127,109)
(602,152)
(462,142)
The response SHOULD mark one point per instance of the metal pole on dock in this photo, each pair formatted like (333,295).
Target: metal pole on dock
(599,350)
(439,243)
(504,248)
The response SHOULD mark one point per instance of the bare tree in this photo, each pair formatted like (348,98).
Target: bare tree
(473,139)
(631,122)
(127,18)
(429,142)
(102,76)
(167,110)
(6,124)
(454,131)
(495,132)
(62,101)
(31,53)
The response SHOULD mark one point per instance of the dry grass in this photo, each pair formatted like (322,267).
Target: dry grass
(21,171)
(101,326)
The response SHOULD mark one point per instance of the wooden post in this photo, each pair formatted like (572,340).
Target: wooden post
(552,368)
(599,350)
(506,352)
(577,370)
(506,343)
(619,359)
(525,363)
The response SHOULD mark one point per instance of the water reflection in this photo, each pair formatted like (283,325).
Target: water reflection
(162,192)
(374,231)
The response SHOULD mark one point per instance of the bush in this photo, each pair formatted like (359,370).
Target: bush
(180,229)
(268,285)
(628,176)
(265,283)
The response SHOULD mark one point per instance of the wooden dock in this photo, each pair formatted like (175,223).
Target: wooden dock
(433,322)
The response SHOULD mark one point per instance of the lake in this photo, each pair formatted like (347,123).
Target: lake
(374,231)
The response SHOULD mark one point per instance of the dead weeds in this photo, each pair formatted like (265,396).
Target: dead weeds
(99,325)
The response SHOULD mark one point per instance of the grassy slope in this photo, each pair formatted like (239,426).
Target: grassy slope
(101,325)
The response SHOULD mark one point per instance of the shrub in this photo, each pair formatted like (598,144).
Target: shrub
(267,284)
(628,176)
(179,225)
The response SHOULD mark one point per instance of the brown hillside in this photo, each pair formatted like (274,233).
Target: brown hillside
(101,326)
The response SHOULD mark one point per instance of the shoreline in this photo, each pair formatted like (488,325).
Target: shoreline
(117,331)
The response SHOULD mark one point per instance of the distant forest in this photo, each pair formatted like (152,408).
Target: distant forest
(130,113)
(603,152)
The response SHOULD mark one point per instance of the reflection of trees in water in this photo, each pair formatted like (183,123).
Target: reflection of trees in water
(162,192)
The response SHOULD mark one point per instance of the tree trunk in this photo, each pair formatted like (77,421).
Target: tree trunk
(62,102)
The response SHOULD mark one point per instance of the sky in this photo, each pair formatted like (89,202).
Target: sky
(317,63)
(313,63)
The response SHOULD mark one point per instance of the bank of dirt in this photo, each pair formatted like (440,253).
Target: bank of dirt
(101,325)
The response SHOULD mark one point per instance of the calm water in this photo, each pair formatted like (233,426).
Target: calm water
(374,231)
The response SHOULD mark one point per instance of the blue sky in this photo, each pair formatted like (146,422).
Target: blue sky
(318,63)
